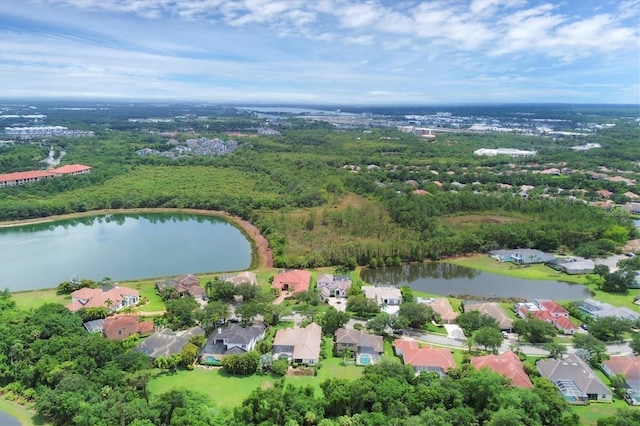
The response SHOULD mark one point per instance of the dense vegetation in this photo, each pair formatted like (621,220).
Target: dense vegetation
(297,190)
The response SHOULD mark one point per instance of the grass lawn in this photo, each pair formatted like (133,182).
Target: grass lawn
(25,416)
(530,272)
(228,391)
(590,414)
(28,300)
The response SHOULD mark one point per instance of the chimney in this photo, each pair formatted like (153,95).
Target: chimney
(116,285)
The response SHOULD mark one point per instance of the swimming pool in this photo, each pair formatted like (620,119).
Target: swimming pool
(365,359)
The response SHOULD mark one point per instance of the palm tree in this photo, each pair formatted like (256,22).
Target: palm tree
(109,304)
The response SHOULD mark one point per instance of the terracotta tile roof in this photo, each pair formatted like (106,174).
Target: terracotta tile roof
(96,297)
(296,280)
(71,168)
(553,307)
(564,323)
(31,174)
(629,366)
(494,310)
(426,356)
(507,364)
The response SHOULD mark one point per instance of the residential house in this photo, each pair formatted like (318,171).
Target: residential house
(494,310)
(575,380)
(119,327)
(507,364)
(596,309)
(549,311)
(629,367)
(167,342)
(573,265)
(441,306)
(603,194)
(239,278)
(427,358)
(521,256)
(299,345)
(230,340)
(333,286)
(367,348)
(293,281)
(389,298)
(113,298)
(187,284)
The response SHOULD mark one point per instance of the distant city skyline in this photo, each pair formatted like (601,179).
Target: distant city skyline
(322,52)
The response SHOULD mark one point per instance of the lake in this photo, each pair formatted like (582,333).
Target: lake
(448,279)
(119,246)
(7,420)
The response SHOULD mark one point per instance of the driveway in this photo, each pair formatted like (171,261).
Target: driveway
(611,261)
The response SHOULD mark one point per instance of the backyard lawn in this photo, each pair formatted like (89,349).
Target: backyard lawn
(28,300)
(589,414)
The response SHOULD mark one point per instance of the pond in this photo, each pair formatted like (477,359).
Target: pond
(447,279)
(119,246)
(7,420)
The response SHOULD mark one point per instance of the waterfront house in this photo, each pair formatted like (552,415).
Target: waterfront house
(575,380)
(113,298)
(187,284)
(389,298)
(330,285)
(441,306)
(426,358)
(365,347)
(299,345)
(494,310)
(293,281)
(507,364)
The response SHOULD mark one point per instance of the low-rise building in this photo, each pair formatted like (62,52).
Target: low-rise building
(113,298)
(299,345)
(187,284)
(389,298)
(230,340)
(575,380)
(629,367)
(494,310)
(366,348)
(596,309)
(167,342)
(330,285)
(426,358)
(507,364)
(293,281)
(441,306)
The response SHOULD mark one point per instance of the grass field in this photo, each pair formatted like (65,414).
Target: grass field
(228,391)
(28,300)
(590,414)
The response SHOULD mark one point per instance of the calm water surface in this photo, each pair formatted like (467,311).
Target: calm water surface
(447,279)
(7,420)
(119,246)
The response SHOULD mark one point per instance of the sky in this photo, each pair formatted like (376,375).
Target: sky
(353,52)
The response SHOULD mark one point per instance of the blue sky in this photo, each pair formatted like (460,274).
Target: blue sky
(322,51)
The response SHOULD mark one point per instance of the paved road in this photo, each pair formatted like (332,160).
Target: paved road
(441,340)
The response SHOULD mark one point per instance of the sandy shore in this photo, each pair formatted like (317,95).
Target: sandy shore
(258,241)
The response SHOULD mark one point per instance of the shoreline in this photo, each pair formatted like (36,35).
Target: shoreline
(262,256)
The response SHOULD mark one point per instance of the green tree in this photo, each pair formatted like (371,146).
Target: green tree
(635,343)
(332,320)
(489,337)
(416,314)
(617,282)
(556,350)
(594,348)
(619,385)
(534,330)
(474,320)
(379,323)
(609,328)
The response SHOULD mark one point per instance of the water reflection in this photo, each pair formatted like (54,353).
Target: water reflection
(448,279)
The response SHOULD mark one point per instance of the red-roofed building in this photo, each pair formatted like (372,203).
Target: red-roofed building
(629,367)
(563,324)
(123,326)
(554,309)
(507,364)
(113,299)
(427,358)
(72,169)
(293,281)
(20,178)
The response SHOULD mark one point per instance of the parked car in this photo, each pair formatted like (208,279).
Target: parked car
(505,334)
(630,254)
(585,326)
